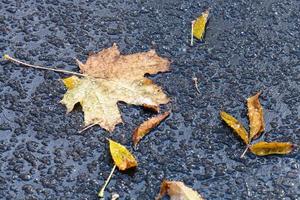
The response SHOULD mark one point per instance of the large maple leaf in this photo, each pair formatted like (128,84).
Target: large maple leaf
(110,78)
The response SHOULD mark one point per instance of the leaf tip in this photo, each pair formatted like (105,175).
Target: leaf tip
(135,138)
(222,113)
(206,12)
(79,63)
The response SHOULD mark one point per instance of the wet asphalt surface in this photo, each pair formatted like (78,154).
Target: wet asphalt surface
(249,46)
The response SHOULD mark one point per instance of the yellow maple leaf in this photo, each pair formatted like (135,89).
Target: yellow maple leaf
(111,78)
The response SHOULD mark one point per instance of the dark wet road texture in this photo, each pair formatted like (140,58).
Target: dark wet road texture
(249,46)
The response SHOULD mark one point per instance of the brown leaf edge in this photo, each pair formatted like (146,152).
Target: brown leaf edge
(163,190)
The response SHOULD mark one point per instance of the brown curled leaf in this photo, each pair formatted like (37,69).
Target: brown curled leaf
(147,126)
(177,191)
(121,156)
(256,116)
(269,148)
(236,126)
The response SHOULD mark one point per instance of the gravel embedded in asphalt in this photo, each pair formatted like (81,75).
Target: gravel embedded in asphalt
(249,46)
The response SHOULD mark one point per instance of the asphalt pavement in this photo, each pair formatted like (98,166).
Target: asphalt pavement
(249,46)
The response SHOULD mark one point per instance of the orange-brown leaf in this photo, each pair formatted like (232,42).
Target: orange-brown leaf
(147,126)
(121,156)
(236,126)
(177,191)
(268,148)
(110,64)
(256,116)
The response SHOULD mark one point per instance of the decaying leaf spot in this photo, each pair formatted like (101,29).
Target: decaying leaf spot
(71,82)
(256,116)
(200,25)
(236,126)
(177,191)
(122,157)
(147,126)
(111,78)
(268,148)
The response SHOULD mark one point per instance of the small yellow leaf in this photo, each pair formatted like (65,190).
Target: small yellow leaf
(236,126)
(268,148)
(200,25)
(147,126)
(256,116)
(121,156)
(177,191)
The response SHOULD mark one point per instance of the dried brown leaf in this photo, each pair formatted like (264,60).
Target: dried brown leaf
(110,64)
(268,148)
(111,78)
(177,191)
(236,126)
(147,126)
(256,116)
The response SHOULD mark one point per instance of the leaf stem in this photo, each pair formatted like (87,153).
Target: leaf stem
(7,57)
(195,79)
(101,192)
(192,36)
(243,154)
(87,127)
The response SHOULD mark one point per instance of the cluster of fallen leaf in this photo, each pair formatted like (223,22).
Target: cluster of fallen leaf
(112,77)
(257,126)
(108,77)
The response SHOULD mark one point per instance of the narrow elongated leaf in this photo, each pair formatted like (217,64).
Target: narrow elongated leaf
(177,191)
(236,126)
(256,116)
(200,25)
(268,148)
(121,156)
(147,126)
